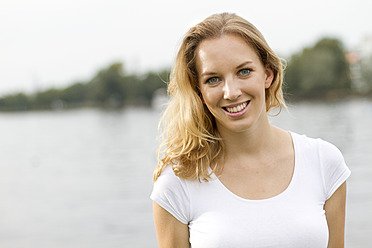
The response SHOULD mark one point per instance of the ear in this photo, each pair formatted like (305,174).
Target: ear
(269,76)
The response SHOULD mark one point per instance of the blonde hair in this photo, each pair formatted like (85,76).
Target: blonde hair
(191,144)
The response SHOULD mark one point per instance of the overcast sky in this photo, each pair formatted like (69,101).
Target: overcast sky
(49,43)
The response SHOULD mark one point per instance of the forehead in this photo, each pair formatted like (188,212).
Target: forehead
(223,52)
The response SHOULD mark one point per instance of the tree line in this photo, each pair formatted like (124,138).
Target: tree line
(323,71)
(109,88)
(317,71)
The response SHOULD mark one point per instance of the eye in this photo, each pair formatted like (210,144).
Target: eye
(212,80)
(244,72)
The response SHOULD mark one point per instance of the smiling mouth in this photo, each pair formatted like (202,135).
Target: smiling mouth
(236,109)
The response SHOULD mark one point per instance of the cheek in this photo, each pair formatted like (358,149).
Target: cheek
(210,100)
(207,102)
(257,86)
(210,97)
(212,110)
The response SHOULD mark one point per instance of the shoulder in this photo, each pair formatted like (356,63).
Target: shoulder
(325,151)
(172,194)
(168,181)
(333,165)
(324,157)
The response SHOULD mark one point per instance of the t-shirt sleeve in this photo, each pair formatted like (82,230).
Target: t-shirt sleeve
(171,193)
(335,170)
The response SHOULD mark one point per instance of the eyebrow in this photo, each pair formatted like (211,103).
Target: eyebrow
(238,67)
(244,64)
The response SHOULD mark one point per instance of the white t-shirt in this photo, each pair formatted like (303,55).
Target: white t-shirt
(295,218)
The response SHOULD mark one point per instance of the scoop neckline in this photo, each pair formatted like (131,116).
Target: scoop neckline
(275,197)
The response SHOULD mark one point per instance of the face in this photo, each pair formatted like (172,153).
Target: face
(232,81)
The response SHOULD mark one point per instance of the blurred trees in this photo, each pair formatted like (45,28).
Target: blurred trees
(366,71)
(107,88)
(318,70)
(110,87)
(18,101)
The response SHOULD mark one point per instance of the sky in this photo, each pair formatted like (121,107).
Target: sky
(50,43)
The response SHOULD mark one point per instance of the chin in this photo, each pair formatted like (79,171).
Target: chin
(237,128)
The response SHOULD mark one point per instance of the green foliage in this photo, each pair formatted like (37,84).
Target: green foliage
(107,87)
(366,71)
(318,70)
(110,87)
(44,100)
(314,71)
(75,94)
(151,82)
(18,101)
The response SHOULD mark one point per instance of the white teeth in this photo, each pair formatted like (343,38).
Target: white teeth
(237,108)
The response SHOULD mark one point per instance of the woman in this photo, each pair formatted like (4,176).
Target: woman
(228,178)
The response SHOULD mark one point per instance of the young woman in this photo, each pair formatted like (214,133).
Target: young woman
(228,178)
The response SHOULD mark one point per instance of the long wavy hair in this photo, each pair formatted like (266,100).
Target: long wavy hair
(190,140)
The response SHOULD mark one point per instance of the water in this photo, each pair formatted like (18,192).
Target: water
(347,125)
(82,178)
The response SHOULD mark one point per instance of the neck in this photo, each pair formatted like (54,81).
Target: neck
(253,142)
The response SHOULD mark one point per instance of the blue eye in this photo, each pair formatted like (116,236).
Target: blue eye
(213,80)
(244,72)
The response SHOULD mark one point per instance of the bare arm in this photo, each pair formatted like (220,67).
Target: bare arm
(335,214)
(170,231)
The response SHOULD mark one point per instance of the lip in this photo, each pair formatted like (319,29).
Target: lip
(236,104)
(237,114)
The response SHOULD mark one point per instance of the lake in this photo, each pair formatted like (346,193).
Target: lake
(82,178)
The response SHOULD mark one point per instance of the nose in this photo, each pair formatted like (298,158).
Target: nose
(231,89)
